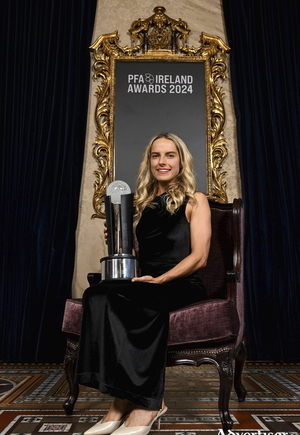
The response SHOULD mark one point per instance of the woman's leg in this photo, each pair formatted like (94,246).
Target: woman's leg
(122,348)
(140,416)
(118,410)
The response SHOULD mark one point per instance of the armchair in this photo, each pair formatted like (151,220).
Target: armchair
(195,337)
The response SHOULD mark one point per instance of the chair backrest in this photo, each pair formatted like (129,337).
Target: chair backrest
(225,244)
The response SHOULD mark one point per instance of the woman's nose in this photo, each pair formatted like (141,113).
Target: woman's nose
(161,160)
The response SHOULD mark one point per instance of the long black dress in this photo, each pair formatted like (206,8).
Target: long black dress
(124,333)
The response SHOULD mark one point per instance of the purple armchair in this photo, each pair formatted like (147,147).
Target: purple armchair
(207,332)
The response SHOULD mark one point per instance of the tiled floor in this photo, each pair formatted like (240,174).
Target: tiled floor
(31,398)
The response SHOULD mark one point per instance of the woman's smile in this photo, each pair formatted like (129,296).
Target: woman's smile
(163,171)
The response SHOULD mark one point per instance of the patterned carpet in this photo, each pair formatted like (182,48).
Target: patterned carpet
(31,398)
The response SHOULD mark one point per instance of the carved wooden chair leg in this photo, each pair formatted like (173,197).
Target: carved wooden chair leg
(69,366)
(226,380)
(239,364)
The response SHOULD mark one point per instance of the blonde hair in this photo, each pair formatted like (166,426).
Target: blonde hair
(184,185)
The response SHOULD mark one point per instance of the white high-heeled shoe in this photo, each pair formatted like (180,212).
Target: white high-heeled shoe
(140,430)
(104,428)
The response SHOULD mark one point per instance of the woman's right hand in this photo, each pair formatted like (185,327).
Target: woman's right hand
(105,233)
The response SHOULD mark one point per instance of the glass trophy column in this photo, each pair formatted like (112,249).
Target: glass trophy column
(120,263)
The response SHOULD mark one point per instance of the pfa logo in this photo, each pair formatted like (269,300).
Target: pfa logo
(149,78)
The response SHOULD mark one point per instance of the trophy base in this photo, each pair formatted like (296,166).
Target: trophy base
(120,267)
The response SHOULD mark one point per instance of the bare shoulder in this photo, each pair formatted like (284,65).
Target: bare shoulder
(201,199)
(197,205)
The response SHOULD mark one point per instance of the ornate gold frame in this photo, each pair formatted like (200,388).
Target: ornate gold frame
(159,37)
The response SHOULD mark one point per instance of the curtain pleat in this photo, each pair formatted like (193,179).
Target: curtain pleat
(45,80)
(265,71)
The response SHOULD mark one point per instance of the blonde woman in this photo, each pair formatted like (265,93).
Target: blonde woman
(125,324)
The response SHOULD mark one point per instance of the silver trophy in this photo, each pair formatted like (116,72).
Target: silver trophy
(120,263)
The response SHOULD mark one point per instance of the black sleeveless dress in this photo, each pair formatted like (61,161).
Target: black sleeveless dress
(124,335)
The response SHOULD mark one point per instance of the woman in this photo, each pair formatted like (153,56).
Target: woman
(125,324)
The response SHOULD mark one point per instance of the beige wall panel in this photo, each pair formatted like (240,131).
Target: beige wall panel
(201,16)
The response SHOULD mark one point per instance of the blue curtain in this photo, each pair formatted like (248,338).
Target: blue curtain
(265,72)
(45,76)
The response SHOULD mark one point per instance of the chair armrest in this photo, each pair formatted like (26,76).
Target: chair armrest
(234,276)
(238,234)
(93,278)
(231,288)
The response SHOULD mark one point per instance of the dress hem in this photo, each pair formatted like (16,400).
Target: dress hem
(147,402)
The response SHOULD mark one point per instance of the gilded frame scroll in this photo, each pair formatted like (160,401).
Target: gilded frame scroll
(156,38)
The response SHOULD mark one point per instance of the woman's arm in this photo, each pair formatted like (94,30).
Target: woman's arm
(198,214)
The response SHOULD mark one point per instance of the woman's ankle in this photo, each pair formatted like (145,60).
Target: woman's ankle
(140,416)
(118,409)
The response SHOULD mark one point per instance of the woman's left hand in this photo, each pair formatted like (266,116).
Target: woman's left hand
(146,278)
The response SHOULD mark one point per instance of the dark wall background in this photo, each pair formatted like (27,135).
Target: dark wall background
(178,108)
(45,75)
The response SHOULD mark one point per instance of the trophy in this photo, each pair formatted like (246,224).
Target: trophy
(120,263)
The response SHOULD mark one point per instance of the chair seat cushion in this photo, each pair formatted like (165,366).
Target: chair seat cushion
(72,317)
(213,321)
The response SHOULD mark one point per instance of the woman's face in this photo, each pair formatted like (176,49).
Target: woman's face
(164,161)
